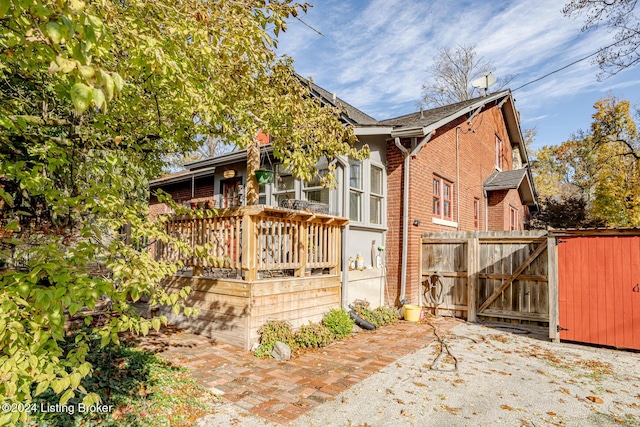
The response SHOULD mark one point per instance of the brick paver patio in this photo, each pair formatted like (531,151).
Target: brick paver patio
(283,391)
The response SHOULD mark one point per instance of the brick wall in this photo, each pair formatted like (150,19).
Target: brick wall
(476,144)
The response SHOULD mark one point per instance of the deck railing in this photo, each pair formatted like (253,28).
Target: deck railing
(257,239)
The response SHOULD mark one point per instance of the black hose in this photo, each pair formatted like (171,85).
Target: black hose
(361,322)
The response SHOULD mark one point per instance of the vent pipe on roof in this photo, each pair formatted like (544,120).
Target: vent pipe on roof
(334,97)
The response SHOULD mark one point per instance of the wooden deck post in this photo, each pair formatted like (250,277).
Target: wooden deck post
(303,249)
(249,248)
(473,263)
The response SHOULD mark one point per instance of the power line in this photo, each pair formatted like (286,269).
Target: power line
(574,62)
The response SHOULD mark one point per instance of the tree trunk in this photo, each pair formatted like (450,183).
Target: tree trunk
(253,163)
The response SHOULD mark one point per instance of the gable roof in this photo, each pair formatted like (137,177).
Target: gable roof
(350,113)
(424,122)
(514,179)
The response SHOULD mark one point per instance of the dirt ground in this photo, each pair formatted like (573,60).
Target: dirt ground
(506,375)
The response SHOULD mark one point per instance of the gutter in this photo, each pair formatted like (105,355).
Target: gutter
(405,206)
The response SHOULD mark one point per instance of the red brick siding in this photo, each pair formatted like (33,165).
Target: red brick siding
(477,161)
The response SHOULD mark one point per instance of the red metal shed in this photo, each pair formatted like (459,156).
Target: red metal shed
(599,286)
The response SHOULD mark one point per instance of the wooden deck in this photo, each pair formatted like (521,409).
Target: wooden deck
(257,242)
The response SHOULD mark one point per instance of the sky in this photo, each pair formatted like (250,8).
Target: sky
(375,55)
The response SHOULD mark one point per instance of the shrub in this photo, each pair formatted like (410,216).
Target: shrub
(379,316)
(313,335)
(387,315)
(339,321)
(270,333)
(367,314)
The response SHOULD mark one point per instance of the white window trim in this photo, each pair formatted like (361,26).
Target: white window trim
(445,222)
(381,195)
(363,203)
(442,216)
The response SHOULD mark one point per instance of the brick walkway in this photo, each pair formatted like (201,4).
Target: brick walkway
(283,391)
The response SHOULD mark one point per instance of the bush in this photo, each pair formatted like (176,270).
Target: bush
(339,322)
(387,315)
(270,333)
(379,316)
(367,314)
(313,335)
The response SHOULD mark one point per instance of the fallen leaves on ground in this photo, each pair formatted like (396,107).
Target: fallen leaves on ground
(595,399)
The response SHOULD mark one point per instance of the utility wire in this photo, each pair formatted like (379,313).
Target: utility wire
(574,62)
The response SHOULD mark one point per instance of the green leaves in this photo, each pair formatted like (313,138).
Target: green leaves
(81,96)
(96,94)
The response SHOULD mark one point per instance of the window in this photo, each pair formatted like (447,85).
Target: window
(375,198)
(513,219)
(262,194)
(476,213)
(355,191)
(231,190)
(313,191)
(284,184)
(499,154)
(442,198)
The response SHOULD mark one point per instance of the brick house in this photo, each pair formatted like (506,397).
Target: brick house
(464,167)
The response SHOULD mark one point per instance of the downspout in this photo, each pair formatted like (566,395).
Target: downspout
(486,210)
(457,178)
(405,208)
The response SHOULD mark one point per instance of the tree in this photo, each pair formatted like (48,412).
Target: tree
(93,96)
(452,73)
(564,212)
(619,17)
(601,168)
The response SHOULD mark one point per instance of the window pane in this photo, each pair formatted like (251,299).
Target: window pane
(376,180)
(356,174)
(447,191)
(284,179)
(436,205)
(355,206)
(375,210)
(447,209)
(316,179)
(436,187)
(321,196)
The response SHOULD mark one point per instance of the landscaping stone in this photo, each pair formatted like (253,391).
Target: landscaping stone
(281,351)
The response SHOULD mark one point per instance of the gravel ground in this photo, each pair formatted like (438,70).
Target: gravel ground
(505,376)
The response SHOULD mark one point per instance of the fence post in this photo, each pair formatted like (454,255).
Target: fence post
(552,271)
(473,262)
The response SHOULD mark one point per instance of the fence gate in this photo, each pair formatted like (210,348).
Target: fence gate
(599,287)
(498,274)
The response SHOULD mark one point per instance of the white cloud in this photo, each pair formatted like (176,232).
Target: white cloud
(374,54)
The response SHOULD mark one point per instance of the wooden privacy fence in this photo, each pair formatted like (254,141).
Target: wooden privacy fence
(499,274)
(256,238)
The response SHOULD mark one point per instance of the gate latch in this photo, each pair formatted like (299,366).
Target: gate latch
(560,328)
